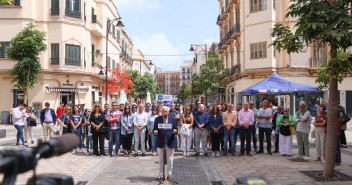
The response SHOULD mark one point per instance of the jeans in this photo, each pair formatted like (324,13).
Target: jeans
(302,139)
(245,135)
(114,137)
(254,135)
(89,141)
(229,134)
(139,135)
(78,134)
(19,133)
(267,132)
(153,138)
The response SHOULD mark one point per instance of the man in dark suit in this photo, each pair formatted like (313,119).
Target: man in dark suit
(166,140)
(48,120)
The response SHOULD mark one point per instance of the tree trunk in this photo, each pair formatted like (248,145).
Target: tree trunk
(212,97)
(25,92)
(331,139)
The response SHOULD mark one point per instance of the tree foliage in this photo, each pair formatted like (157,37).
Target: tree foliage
(329,22)
(10,2)
(211,76)
(119,80)
(185,92)
(25,48)
(143,84)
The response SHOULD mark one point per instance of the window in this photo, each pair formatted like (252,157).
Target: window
(55,59)
(3,48)
(84,57)
(113,64)
(85,18)
(274,6)
(15,3)
(93,55)
(109,24)
(118,34)
(113,30)
(94,17)
(258,50)
(73,8)
(257,5)
(55,7)
(109,63)
(72,55)
(319,54)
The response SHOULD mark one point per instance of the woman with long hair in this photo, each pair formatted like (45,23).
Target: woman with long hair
(215,126)
(127,130)
(187,121)
(64,119)
(150,127)
(76,127)
(159,109)
(28,126)
(86,131)
(96,120)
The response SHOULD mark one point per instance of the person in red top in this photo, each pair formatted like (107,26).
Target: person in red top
(60,109)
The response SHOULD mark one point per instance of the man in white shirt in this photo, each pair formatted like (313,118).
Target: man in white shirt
(18,117)
(140,120)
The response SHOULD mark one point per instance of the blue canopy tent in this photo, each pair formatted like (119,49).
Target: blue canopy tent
(275,84)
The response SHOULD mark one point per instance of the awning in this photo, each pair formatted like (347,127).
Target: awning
(275,84)
(65,89)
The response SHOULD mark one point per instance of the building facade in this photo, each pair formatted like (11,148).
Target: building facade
(244,29)
(185,72)
(76,50)
(168,81)
(140,64)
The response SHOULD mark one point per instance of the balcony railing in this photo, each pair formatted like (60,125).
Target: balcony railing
(228,5)
(128,57)
(316,62)
(55,11)
(73,62)
(236,28)
(74,14)
(54,61)
(222,43)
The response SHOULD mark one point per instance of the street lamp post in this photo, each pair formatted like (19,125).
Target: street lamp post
(119,25)
(206,54)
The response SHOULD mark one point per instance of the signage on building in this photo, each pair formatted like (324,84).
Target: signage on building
(163,97)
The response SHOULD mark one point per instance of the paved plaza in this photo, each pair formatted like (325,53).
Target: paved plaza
(91,170)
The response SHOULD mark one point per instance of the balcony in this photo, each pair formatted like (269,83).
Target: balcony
(55,11)
(54,61)
(229,5)
(221,45)
(74,14)
(73,62)
(233,72)
(126,57)
(96,28)
(236,69)
(224,14)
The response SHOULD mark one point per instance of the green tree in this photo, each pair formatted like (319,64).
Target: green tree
(25,48)
(211,75)
(328,22)
(10,2)
(143,84)
(185,93)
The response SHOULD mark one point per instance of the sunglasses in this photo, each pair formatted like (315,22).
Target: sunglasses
(251,104)
(285,110)
(97,106)
(114,105)
(68,109)
(134,107)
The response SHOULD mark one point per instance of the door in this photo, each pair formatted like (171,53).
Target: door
(66,97)
(349,103)
(18,97)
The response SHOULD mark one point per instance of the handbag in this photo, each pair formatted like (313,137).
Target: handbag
(31,122)
(185,131)
(345,119)
(292,130)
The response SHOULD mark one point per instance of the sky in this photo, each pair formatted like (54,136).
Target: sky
(168,27)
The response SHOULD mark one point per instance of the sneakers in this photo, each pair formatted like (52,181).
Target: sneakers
(136,154)
(143,154)
(74,151)
(196,154)
(249,154)
(213,154)
(26,144)
(297,157)
(270,153)
(306,158)
(260,152)
(218,154)
(184,154)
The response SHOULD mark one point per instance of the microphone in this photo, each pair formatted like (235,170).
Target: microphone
(57,146)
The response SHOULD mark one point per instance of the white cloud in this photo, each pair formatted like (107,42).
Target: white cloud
(158,44)
(137,5)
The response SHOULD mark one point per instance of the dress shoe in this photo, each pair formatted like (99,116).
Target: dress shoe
(225,153)
(259,152)
(241,154)
(249,154)
(270,153)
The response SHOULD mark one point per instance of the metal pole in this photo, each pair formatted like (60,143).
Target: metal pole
(106,65)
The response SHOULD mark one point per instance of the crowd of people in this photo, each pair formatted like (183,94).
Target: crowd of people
(130,128)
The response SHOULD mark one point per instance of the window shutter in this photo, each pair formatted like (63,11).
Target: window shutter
(67,4)
(78,5)
(118,34)
(93,54)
